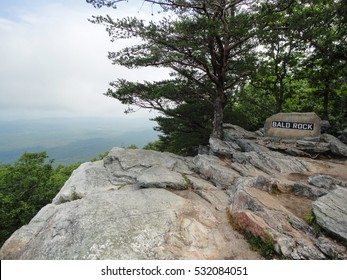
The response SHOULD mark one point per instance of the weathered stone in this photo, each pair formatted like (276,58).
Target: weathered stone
(337,147)
(247,145)
(325,125)
(203,150)
(120,226)
(309,147)
(295,152)
(312,139)
(138,204)
(216,197)
(261,214)
(273,161)
(331,248)
(234,132)
(213,169)
(306,144)
(293,125)
(224,148)
(159,177)
(331,212)
(260,132)
(115,219)
(343,136)
(88,178)
(304,190)
(326,182)
(122,167)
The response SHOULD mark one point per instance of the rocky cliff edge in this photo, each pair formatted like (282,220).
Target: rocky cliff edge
(138,204)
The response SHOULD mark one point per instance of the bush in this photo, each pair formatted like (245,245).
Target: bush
(25,187)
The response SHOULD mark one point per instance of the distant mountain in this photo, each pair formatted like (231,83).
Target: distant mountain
(68,141)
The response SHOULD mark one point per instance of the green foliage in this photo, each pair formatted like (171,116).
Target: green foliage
(189,183)
(75,196)
(100,157)
(132,146)
(185,127)
(25,187)
(311,220)
(154,146)
(264,246)
(213,60)
(220,74)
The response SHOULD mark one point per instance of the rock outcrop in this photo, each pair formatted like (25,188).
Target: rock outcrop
(331,212)
(138,204)
(134,204)
(326,145)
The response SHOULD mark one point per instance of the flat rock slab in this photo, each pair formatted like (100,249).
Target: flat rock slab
(331,212)
(134,204)
(140,224)
(108,225)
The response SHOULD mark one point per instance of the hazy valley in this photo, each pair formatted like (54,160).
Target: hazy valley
(71,140)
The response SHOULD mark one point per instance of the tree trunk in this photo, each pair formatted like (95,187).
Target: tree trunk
(344,108)
(219,104)
(326,101)
(279,102)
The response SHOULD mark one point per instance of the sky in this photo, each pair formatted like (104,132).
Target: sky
(53,61)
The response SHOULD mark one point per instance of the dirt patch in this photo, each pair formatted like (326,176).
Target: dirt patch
(299,206)
(297,177)
(333,167)
(235,246)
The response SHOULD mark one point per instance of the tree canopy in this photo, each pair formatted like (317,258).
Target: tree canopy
(25,187)
(229,58)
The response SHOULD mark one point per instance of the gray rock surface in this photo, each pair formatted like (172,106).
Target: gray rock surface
(337,147)
(224,148)
(326,182)
(257,208)
(343,136)
(122,167)
(234,132)
(134,204)
(331,212)
(325,125)
(261,214)
(138,204)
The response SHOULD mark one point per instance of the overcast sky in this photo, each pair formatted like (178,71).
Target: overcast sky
(53,61)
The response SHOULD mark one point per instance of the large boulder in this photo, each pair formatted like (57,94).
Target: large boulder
(293,125)
(106,225)
(224,148)
(343,136)
(336,146)
(134,204)
(234,132)
(126,167)
(331,212)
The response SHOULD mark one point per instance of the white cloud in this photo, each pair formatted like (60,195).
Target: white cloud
(53,63)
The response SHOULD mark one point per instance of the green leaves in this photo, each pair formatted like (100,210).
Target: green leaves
(271,55)
(25,187)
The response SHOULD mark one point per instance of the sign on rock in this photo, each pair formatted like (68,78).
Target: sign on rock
(293,125)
